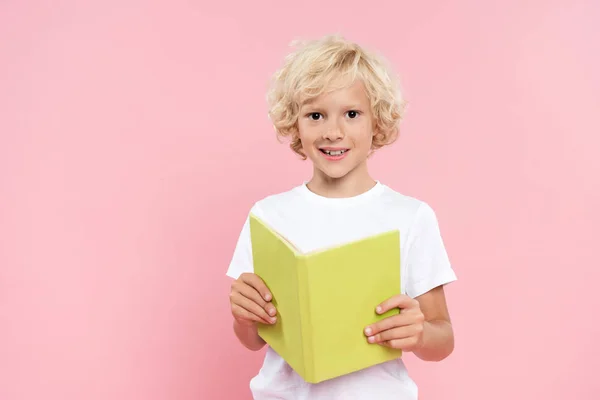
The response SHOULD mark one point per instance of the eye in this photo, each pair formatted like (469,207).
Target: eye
(314,116)
(352,114)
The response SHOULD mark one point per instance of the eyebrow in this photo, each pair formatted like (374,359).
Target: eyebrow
(315,108)
(311,107)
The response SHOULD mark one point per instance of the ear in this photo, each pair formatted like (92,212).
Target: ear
(376,132)
(296,144)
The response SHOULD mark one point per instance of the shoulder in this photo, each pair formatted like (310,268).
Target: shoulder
(276,201)
(414,209)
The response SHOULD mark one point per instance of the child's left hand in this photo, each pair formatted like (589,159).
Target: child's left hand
(402,331)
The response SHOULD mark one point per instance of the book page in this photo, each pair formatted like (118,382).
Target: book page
(288,242)
(280,236)
(350,243)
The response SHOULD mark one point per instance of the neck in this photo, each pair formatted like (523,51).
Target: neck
(352,184)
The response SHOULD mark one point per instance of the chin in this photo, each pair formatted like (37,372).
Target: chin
(335,176)
(335,173)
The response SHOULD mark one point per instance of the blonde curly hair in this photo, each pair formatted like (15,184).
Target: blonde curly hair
(324,65)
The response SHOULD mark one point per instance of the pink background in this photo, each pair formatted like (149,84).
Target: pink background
(134,139)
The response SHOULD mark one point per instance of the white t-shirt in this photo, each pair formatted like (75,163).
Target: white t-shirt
(311,221)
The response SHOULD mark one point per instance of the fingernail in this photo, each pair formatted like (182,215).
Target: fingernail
(268,296)
(368,331)
(271,312)
(371,339)
(378,309)
(273,320)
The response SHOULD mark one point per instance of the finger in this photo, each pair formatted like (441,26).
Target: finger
(394,321)
(243,302)
(258,284)
(398,301)
(241,313)
(402,332)
(252,294)
(406,344)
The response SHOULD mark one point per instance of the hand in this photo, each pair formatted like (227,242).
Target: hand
(251,301)
(402,331)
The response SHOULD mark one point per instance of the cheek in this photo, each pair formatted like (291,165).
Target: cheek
(306,136)
(363,138)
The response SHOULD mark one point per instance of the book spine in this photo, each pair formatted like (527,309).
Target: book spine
(305,320)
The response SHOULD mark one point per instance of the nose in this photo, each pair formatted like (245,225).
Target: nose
(333,132)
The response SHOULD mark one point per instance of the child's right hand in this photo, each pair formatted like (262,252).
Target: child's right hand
(251,301)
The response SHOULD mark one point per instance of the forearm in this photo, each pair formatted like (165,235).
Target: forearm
(437,342)
(248,336)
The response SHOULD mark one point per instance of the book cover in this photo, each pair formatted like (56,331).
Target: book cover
(325,299)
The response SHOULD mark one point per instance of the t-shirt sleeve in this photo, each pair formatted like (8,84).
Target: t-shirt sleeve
(241,261)
(427,262)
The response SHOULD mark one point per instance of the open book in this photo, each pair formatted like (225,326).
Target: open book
(325,299)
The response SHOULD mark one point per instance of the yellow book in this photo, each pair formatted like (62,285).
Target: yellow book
(325,299)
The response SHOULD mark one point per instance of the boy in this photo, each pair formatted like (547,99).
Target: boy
(337,103)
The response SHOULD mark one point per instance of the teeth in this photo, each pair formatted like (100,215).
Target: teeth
(335,152)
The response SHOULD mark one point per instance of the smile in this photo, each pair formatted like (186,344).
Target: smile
(334,154)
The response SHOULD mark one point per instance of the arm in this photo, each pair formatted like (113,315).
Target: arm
(248,335)
(437,340)
(425,329)
(250,305)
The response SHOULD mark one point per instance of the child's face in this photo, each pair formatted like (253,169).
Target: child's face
(336,131)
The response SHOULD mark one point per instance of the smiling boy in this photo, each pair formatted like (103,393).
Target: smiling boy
(337,103)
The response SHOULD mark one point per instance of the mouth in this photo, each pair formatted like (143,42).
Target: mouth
(334,154)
